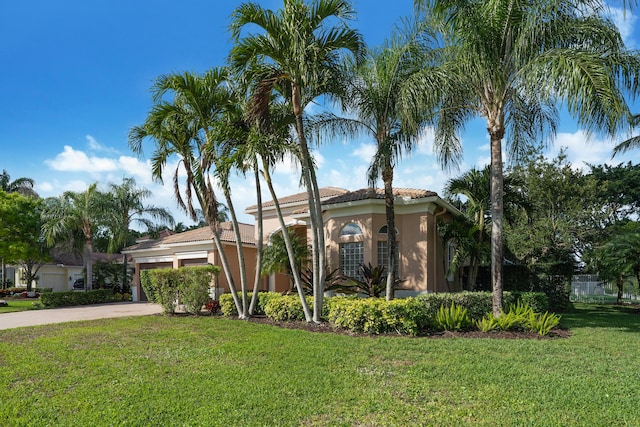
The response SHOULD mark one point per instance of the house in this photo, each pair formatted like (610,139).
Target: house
(61,272)
(193,247)
(356,233)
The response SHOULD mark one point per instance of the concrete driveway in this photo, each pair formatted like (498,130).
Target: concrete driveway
(70,314)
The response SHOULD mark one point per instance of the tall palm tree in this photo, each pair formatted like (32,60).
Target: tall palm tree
(22,186)
(511,63)
(185,127)
(128,208)
(297,51)
(74,218)
(386,97)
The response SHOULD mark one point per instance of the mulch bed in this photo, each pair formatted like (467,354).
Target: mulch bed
(328,328)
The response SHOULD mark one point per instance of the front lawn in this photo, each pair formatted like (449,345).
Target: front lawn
(15,304)
(210,371)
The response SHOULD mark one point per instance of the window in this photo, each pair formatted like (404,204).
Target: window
(383,230)
(351,257)
(351,229)
(383,252)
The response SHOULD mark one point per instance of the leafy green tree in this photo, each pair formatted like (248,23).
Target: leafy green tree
(20,238)
(619,257)
(297,51)
(618,191)
(512,63)
(74,219)
(559,223)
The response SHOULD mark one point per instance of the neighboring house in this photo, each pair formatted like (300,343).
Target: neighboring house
(194,247)
(59,273)
(356,233)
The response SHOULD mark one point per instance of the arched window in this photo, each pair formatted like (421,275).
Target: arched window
(383,230)
(351,229)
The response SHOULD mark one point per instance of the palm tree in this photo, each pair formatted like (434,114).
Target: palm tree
(386,97)
(74,218)
(189,127)
(298,53)
(631,143)
(127,209)
(475,186)
(22,186)
(512,62)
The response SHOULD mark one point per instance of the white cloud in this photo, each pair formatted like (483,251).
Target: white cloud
(71,160)
(425,142)
(94,145)
(364,152)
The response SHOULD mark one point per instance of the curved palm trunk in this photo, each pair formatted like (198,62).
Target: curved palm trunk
(315,210)
(244,313)
(259,243)
(392,244)
(226,268)
(295,271)
(496,132)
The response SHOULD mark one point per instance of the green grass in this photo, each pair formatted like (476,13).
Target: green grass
(17,305)
(210,371)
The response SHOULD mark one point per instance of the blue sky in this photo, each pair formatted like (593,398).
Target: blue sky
(75,77)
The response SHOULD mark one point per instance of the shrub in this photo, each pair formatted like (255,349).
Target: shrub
(228,306)
(376,316)
(452,318)
(194,287)
(167,286)
(62,299)
(117,296)
(126,297)
(542,323)
(286,307)
(538,301)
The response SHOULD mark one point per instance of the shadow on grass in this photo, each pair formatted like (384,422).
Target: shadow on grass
(625,318)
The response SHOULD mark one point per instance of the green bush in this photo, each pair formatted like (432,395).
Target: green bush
(63,299)
(452,318)
(377,316)
(538,301)
(167,286)
(488,323)
(228,306)
(286,307)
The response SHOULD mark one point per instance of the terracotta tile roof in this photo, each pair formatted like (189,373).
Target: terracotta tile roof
(378,193)
(325,192)
(202,234)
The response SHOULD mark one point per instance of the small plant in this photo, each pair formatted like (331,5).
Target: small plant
(488,323)
(452,318)
(117,296)
(542,323)
(213,306)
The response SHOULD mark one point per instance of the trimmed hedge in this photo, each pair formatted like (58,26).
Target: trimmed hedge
(228,306)
(189,285)
(63,299)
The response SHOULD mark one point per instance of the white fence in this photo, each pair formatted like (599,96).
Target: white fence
(590,288)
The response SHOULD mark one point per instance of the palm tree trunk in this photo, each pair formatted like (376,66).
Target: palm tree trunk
(240,252)
(497,181)
(259,243)
(315,210)
(226,268)
(392,264)
(287,242)
(88,264)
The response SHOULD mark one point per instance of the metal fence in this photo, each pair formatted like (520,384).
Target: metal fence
(590,288)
